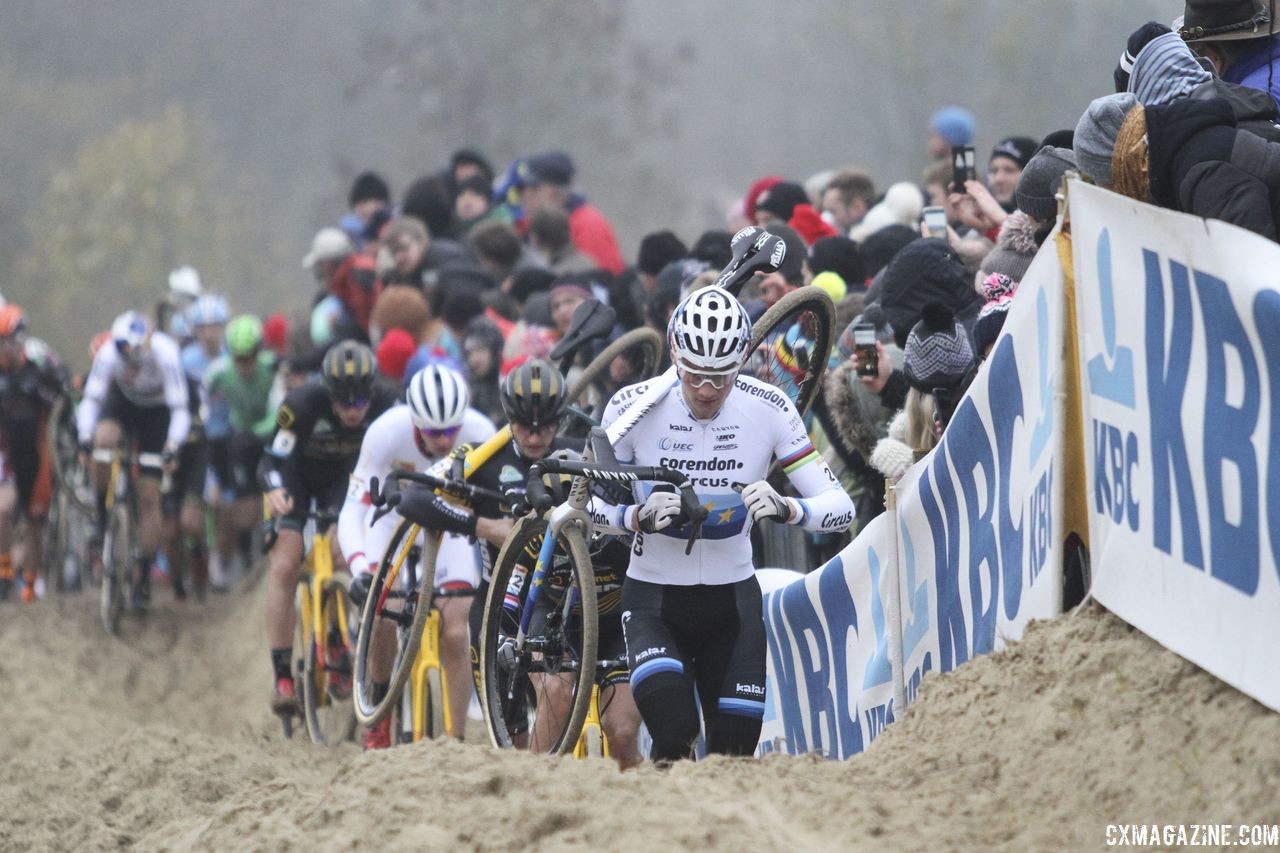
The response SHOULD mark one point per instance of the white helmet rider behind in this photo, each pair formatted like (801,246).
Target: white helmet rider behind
(438,398)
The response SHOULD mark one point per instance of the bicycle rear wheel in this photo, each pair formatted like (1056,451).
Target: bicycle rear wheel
(406,610)
(791,343)
(117,564)
(326,672)
(543,687)
(642,346)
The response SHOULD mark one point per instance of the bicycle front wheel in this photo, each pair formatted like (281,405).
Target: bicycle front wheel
(326,674)
(63,449)
(117,565)
(791,343)
(392,619)
(541,685)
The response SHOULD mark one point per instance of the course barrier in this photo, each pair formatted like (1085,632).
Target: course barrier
(1143,432)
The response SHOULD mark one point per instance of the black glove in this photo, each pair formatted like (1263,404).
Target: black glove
(359,588)
(422,506)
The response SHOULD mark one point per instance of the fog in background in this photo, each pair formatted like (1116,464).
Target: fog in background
(141,135)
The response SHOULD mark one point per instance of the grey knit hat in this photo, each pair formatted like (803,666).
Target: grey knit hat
(938,353)
(1039,182)
(1096,132)
(1005,261)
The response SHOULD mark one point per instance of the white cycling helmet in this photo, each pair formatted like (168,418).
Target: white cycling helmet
(709,331)
(130,333)
(438,397)
(185,282)
(209,310)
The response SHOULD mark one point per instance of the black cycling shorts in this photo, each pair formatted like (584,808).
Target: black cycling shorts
(704,639)
(147,425)
(188,477)
(235,460)
(326,484)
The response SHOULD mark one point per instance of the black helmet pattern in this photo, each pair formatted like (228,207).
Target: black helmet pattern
(348,370)
(534,394)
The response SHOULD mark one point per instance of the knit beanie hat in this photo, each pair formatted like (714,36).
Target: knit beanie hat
(368,186)
(757,189)
(928,270)
(1137,41)
(838,255)
(713,248)
(781,199)
(811,227)
(1096,133)
(954,124)
(1165,71)
(1005,260)
(879,248)
(999,290)
(938,354)
(394,352)
(1040,180)
(831,284)
(657,250)
(1019,149)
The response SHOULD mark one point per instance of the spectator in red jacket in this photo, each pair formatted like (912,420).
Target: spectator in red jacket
(546,181)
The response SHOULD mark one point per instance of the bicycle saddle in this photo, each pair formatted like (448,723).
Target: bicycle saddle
(591,320)
(754,250)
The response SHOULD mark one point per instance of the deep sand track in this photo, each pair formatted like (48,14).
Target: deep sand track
(162,740)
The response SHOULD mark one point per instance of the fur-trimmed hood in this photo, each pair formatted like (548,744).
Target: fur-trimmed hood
(856,412)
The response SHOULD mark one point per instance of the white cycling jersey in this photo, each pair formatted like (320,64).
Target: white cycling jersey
(156,380)
(721,456)
(391,444)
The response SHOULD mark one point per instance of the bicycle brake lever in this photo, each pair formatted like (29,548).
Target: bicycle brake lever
(695,531)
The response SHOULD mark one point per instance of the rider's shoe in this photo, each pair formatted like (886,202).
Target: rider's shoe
(337,662)
(142,587)
(284,700)
(6,577)
(379,736)
(179,588)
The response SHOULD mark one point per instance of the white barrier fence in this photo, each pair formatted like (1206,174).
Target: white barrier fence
(970,556)
(1179,368)
(1180,351)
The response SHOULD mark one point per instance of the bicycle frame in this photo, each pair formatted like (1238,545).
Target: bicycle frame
(428,656)
(318,570)
(592,726)
(428,659)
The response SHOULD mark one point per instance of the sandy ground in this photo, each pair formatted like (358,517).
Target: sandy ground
(162,740)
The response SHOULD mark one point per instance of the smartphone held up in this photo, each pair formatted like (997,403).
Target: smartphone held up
(935,222)
(963,166)
(866,355)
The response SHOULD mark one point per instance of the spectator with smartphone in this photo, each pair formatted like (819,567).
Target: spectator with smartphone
(939,365)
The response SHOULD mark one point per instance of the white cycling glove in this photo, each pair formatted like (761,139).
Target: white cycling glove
(657,511)
(763,502)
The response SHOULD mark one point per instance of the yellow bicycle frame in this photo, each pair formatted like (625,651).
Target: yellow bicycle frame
(428,657)
(427,660)
(592,723)
(318,566)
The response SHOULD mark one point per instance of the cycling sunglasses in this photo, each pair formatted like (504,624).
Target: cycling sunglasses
(357,403)
(448,432)
(718,381)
